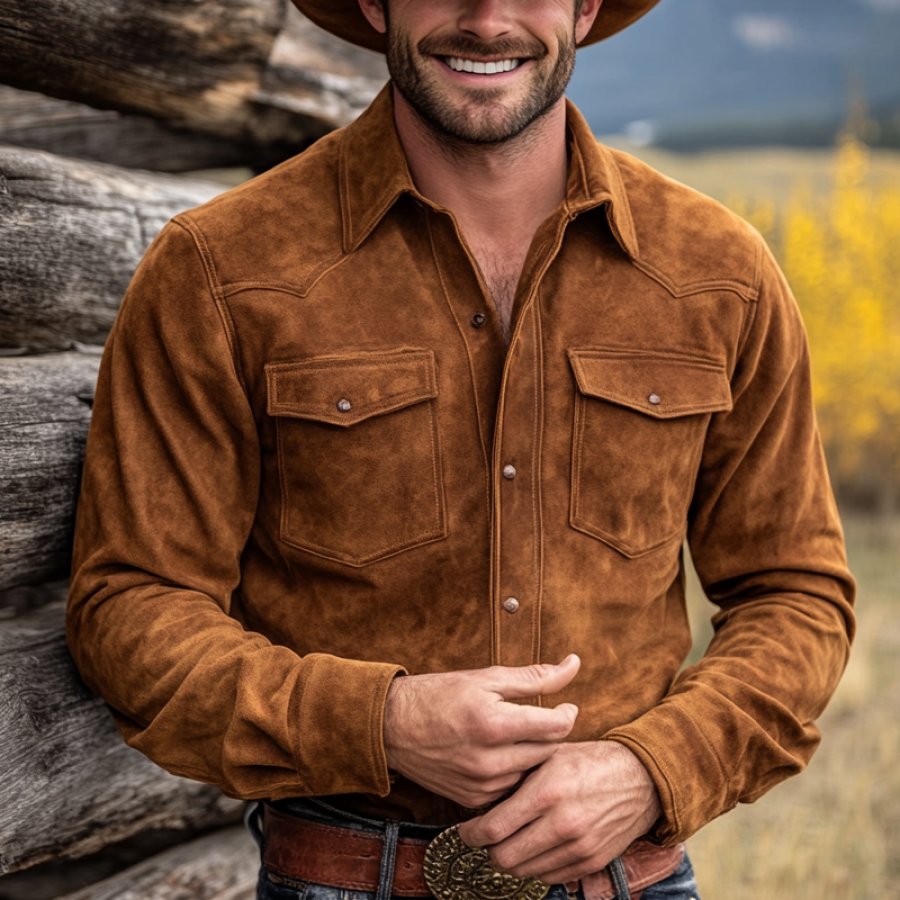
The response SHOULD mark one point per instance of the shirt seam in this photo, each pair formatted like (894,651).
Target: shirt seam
(216,292)
(747,293)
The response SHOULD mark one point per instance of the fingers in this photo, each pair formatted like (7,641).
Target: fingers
(539,850)
(511,722)
(570,816)
(483,793)
(498,824)
(514,683)
(521,758)
(532,845)
(455,733)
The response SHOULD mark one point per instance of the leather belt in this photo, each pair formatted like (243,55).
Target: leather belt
(350,858)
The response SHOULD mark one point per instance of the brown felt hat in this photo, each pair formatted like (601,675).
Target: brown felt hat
(344,18)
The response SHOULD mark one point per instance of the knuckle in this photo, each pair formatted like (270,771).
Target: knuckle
(470,798)
(503,783)
(502,858)
(548,795)
(536,673)
(494,675)
(494,833)
(488,726)
(583,848)
(470,772)
(572,829)
(480,797)
(487,773)
(558,730)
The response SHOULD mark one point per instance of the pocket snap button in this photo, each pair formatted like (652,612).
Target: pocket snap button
(344,405)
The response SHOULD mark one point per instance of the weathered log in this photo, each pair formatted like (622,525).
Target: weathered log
(206,66)
(33,120)
(23,598)
(45,408)
(219,866)
(71,234)
(70,785)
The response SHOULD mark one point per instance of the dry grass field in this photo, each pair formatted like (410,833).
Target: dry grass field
(834,831)
(768,173)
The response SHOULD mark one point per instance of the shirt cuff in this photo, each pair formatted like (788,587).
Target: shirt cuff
(338,717)
(685,768)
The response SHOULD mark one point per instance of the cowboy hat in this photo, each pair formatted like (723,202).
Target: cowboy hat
(344,18)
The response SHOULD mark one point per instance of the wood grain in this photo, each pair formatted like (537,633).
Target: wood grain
(206,65)
(72,233)
(70,785)
(38,122)
(219,866)
(44,414)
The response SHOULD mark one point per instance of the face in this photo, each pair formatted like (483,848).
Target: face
(482,71)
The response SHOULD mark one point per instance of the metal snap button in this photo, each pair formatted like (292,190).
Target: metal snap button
(509,472)
(478,320)
(344,405)
(655,399)
(511,604)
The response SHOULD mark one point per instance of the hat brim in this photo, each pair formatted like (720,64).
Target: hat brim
(345,19)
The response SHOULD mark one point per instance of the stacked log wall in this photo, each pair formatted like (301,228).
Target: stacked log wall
(93,93)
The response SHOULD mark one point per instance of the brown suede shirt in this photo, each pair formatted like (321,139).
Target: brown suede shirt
(314,464)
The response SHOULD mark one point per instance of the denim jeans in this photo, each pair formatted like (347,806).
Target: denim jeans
(680,885)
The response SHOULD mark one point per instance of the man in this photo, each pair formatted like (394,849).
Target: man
(383,435)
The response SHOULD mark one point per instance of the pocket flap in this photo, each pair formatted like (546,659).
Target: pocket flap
(345,390)
(658,385)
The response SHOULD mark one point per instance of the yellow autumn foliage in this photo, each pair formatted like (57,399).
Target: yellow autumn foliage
(841,253)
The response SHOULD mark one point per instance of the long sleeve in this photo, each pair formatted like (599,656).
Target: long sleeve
(767,544)
(169,496)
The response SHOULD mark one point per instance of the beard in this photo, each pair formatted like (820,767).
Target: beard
(488,115)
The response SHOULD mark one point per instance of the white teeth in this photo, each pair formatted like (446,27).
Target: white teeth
(458,64)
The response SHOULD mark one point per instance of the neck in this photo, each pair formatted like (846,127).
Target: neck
(492,189)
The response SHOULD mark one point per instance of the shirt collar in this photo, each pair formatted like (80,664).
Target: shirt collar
(595,181)
(374,174)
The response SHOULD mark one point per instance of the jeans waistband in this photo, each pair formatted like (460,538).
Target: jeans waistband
(318,811)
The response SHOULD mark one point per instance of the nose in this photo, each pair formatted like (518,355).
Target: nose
(485,19)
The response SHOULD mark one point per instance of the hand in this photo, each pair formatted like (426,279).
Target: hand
(572,816)
(456,734)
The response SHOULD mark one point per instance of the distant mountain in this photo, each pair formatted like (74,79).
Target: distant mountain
(730,71)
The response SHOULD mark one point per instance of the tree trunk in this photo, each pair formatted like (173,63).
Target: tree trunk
(70,785)
(72,234)
(205,66)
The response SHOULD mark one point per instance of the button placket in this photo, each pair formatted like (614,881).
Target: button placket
(517,501)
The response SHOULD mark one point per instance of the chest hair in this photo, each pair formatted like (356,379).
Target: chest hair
(500,271)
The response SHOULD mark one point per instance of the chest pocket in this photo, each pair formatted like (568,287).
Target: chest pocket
(358,454)
(640,423)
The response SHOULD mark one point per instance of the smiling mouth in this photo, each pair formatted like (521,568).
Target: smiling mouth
(479,67)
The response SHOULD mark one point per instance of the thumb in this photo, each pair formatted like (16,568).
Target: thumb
(535,681)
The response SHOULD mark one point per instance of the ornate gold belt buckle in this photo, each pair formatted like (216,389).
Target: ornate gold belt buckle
(455,871)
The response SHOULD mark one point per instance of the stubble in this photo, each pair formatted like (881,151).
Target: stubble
(485,116)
